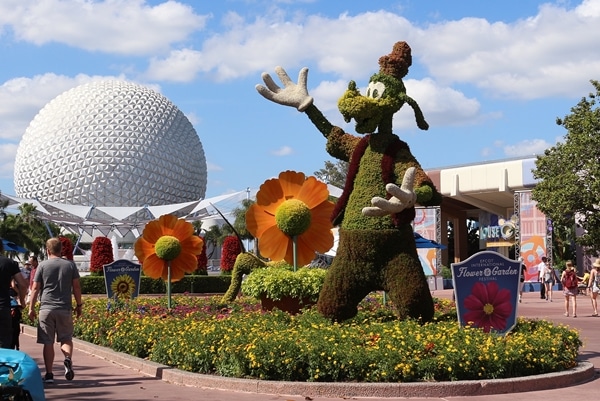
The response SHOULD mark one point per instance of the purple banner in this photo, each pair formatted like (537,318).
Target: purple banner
(486,288)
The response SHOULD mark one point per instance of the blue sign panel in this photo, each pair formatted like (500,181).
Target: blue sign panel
(486,288)
(122,278)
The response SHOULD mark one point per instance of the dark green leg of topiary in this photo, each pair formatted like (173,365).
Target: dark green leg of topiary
(408,289)
(373,260)
(244,263)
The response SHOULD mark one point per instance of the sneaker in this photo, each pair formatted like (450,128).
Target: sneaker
(69,374)
(49,378)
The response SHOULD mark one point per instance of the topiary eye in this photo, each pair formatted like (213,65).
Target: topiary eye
(375,90)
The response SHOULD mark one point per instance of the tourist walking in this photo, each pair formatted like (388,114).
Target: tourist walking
(33,260)
(9,271)
(541,267)
(549,278)
(570,287)
(522,278)
(56,279)
(594,285)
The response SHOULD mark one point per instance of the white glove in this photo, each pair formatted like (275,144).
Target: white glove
(402,197)
(292,94)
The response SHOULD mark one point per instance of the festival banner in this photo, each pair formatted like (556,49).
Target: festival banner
(425,223)
(486,287)
(533,226)
(122,279)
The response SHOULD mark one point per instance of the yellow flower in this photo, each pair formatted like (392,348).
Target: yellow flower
(165,240)
(123,286)
(287,207)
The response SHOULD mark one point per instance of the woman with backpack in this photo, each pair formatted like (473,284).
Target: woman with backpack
(594,285)
(570,287)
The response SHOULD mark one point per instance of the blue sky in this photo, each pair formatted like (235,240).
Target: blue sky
(490,77)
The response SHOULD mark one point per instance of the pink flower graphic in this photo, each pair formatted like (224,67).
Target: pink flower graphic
(489,307)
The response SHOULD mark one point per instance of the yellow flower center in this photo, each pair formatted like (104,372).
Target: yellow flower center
(488,309)
(293,217)
(167,247)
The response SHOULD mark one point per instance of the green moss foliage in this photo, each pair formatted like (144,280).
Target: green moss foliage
(373,260)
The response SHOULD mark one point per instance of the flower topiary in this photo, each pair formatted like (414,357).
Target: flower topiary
(102,254)
(66,247)
(231,249)
(202,261)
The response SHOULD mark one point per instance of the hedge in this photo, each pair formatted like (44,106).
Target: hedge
(192,284)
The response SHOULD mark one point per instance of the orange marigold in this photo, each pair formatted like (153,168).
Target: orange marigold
(168,240)
(291,206)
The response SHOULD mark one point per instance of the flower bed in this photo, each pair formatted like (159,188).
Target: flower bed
(204,336)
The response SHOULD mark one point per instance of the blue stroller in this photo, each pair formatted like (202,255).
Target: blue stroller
(20,377)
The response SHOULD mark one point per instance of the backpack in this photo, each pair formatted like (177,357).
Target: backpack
(570,280)
(10,386)
(20,377)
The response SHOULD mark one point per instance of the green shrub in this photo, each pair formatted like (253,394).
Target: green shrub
(193,284)
(278,282)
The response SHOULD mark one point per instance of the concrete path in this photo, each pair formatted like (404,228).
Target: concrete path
(102,375)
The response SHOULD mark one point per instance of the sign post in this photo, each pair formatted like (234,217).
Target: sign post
(122,279)
(486,288)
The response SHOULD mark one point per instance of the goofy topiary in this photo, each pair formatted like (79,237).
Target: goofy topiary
(376,248)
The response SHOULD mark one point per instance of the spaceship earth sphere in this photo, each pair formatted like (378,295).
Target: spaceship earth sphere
(110,143)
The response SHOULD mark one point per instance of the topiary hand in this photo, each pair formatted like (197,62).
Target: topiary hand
(402,197)
(292,94)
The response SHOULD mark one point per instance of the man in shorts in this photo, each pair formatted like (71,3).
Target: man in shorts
(56,278)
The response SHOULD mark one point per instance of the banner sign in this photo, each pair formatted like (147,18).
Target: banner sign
(122,279)
(486,289)
(533,232)
(426,223)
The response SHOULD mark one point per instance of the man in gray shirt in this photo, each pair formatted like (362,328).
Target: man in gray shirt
(55,280)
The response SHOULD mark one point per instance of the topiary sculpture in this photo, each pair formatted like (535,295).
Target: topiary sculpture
(231,249)
(102,254)
(376,248)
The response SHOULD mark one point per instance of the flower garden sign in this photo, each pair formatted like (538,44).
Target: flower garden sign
(486,288)
(122,279)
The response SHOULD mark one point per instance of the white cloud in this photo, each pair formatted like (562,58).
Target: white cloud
(213,167)
(527,147)
(115,26)
(22,98)
(8,151)
(283,151)
(554,53)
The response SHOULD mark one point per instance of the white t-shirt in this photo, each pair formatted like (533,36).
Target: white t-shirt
(541,269)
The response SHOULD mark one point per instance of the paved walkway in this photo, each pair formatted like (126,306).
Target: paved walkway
(101,375)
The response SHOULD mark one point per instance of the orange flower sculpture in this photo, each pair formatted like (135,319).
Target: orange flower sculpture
(168,240)
(287,207)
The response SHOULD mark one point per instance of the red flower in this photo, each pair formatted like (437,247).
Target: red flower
(102,254)
(231,249)
(66,248)
(489,307)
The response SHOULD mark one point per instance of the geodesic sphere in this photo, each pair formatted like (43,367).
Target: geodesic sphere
(110,143)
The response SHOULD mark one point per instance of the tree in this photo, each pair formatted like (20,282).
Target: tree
(333,173)
(568,191)
(239,222)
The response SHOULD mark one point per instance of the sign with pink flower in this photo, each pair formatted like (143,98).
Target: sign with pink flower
(486,287)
